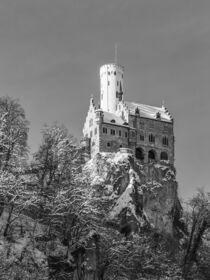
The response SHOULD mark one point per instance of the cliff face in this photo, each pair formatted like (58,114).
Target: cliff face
(137,195)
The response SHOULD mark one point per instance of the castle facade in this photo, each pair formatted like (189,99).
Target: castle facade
(116,124)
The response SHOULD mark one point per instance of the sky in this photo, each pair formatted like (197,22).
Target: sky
(51,51)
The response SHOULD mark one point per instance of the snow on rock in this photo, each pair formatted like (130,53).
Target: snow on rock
(141,194)
(124,200)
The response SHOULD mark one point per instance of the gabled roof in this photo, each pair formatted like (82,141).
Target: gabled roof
(150,112)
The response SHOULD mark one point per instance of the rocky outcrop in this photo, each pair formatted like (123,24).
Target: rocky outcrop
(138,195)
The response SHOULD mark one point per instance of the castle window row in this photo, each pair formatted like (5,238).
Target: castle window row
(114,132)
(109,73)
(152,155)
(108,144)
(165,141)
(165,129)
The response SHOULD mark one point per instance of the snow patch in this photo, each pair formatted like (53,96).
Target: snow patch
(134,174)
(124,201)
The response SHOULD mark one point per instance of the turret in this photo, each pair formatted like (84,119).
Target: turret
(111,79)
(99,115)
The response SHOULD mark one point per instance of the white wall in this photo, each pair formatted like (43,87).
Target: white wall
(111,76)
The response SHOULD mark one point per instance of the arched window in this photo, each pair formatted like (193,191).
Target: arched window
(140,153)
(151,155)
(164,156)
(151,138)
(165,141)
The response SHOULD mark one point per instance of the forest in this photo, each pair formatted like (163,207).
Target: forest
(54,225)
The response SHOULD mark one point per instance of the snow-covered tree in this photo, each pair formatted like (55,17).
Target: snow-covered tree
(197,253)
(14,129)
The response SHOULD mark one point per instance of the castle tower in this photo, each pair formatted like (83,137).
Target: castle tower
(111,79)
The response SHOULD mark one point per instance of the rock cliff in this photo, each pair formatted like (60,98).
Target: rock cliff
(138,195)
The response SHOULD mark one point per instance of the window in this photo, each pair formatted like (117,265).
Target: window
(139,154)
(165,141)
(141,124)
(117,83)
(151,155)
(151,138)
(158,115)
(134,124)
(126,134)
(113,121)
(120,146)
(151,124)
(115,73)
(104,130)
(91,134)
(108,83)
(108,73)
(164,156)
(108,144)
(133,134)
(95,130)
(120,132)
(165,128)
(112,132)
(93,143)
(141,137)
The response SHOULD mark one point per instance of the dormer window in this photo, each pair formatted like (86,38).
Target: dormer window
(113,121)
(137,111)
(158,116)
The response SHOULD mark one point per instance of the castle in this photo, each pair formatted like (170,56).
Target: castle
(145,130)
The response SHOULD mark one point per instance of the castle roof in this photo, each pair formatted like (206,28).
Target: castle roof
(150,112)
(113,118)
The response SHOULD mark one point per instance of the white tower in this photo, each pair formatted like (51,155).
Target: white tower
(111,78)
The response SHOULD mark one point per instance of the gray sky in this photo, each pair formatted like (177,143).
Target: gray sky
(51,51)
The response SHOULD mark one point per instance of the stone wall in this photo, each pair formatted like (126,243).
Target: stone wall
(111,143)
(143,127)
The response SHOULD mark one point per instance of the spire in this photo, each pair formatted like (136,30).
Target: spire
(115,53)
